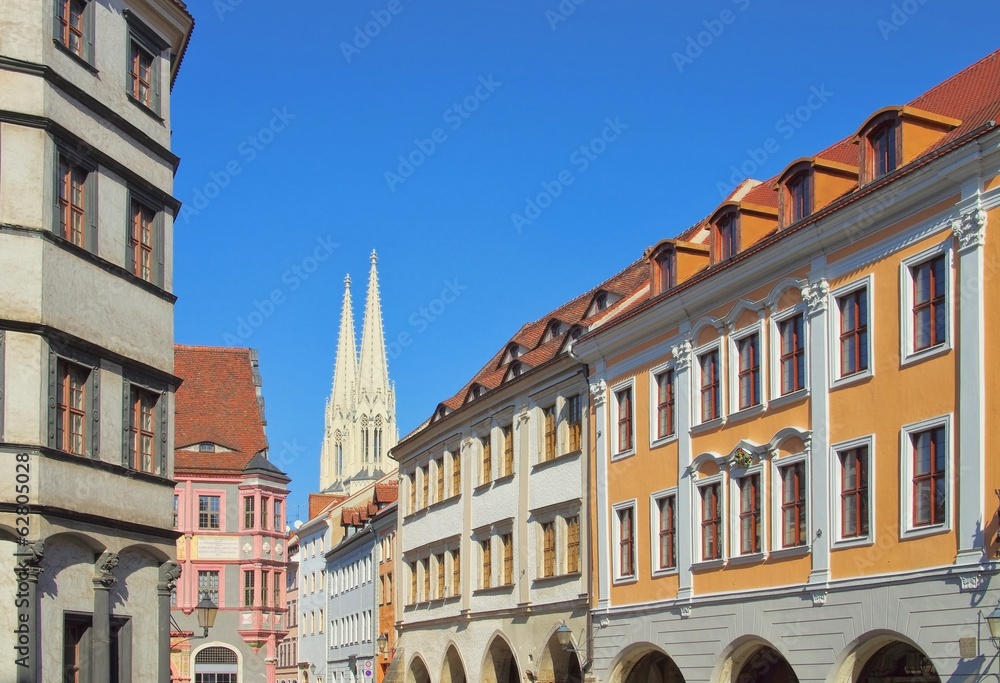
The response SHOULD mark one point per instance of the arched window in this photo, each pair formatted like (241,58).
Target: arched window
(216,665)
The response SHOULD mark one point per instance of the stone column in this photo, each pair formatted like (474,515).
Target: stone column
(816,294)
(28,644)
(970,231)
(169,573)
(598,397)
(100,638)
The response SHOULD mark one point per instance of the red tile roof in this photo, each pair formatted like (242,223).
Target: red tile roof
(320,501)
(386,492)
(217,403)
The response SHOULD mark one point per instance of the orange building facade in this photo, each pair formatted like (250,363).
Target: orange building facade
(790,477)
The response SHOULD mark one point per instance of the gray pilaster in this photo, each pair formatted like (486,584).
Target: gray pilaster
(169,573)
(598,398)
(970,447)
(683,356)
(816,295)
(29,566)
(100,639)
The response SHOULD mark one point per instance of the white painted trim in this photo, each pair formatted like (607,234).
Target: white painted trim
(774,352)
(836,380)
(906,526)
(654,532)
(655,440)
(620,578)
(836,539)
(777,498)
(732,376)
(714,345)
(723,517)
(629,385)
(906,338)
(733,520)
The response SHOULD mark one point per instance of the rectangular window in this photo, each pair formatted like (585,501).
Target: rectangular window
(623,401)
(143,241)
(141,74)
(508,449)
(929,312)
(72,202)
(711,401)
(711,522)
(667,532)
(143,431)
(507,541)
(71,15)
(487,563)
(456,472)
(548,549)
(456,572)
(263,513)
(440,575)
(748,377)
(425,567)
(550,433)
(277,515)
(71,410)
(263,590)
(854,492)
(425,477)
(487,462)
(665,409)
(793,351)
(572,545)
(175,511)
(574,418)
(412,479)
(276,580)
(929,491)
(208,586)
(413,583)
(793,505)
(728,235)
(208,512)
(626,542)
(853,309)
(750,536)
(799,199)
(76,647)
(883,146)
(248,512)
(248,581)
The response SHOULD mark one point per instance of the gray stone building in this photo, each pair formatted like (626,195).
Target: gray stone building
(86,337)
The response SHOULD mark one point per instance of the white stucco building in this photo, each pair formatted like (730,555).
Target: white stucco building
(86,336)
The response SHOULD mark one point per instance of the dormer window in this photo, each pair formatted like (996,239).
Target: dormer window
(554,329)
(882,144)
(727,237)
(798,197)
(599,303)
(206,447)
(513,351)
(516,370)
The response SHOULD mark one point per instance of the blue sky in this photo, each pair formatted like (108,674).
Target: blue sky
(512,153)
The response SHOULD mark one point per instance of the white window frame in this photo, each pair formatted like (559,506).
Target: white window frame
(714,345)
(836,480)
(629,385)
(558,533)
(778,548)
(907,529)
(654,531)
(906,338)
(620,578)
(836,378)
(487,436)
(655,440)
(733,368)
(774,353)
(701,483)
(733,520)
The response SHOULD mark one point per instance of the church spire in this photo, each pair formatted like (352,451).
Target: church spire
(341,405)
(374,374)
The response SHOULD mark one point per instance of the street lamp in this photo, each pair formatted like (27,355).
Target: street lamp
(383,641)
(564,634)
(206,615)
(993,622)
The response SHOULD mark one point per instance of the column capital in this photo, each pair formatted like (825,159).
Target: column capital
(598,392)
(815,295)
(170,571)
(103,578)
(682,354)
(970,229)
(29,560)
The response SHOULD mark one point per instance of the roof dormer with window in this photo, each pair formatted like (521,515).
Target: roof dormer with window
(602,301)
(895,136)
(810,184)
(555,328)
(672,261)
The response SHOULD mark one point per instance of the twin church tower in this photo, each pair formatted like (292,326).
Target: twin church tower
(360,420)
